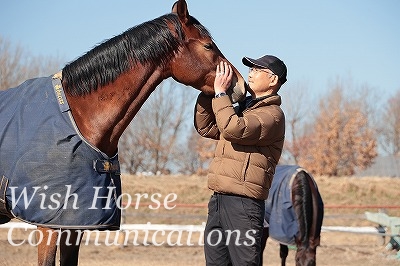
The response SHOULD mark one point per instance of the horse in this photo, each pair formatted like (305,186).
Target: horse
(294,212)
(59,135)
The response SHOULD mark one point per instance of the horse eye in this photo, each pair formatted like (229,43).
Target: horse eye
(208,46)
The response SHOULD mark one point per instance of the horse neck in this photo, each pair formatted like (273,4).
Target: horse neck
(103,115)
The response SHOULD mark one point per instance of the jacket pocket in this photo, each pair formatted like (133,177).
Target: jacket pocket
(245,166)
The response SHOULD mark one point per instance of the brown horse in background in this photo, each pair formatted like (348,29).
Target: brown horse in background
(107,86)
(294,212)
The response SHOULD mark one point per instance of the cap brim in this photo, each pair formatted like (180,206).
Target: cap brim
(252,62)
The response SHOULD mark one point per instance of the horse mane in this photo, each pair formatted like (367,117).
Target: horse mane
(151,42)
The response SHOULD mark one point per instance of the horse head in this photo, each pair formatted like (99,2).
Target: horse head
(307,251)
(115,78)
(199,53)
(305,256)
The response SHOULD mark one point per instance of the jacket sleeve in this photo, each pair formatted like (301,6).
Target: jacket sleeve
(261,126)
(204,118)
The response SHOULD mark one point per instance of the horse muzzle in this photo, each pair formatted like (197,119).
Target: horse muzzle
(238,92)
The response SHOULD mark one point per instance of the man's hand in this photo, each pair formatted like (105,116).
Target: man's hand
(223,77)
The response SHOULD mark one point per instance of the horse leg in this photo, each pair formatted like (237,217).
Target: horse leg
(283,253)
(69,247)
(264,238)
(47,246)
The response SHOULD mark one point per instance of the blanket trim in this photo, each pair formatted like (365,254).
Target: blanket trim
(59,91)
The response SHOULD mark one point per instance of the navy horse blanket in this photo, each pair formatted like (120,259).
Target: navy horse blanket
(50,175)
(279,212)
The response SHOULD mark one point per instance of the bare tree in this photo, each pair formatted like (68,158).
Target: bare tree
(187,157)
(297,104)
(342,139)
(390,126)
(197,154)
(17,65)
(154,139)
(132,150)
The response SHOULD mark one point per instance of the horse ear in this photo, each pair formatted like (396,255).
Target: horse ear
(180,7)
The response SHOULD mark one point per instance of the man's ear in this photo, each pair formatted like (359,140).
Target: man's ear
(274,82)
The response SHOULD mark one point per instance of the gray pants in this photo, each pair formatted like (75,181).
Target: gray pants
(233,231)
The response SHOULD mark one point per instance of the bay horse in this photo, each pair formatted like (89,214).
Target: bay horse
(294,213)
(59,135)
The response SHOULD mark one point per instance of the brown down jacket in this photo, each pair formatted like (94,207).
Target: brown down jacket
(249,145)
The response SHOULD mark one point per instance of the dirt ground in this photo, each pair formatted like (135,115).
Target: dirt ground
(336,249)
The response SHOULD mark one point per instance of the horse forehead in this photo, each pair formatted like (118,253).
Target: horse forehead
(194,32)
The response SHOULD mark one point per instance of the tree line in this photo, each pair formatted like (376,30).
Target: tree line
(336,134)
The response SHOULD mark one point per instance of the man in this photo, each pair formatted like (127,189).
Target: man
(250,141)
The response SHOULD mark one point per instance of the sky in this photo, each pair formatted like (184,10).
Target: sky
(320,41)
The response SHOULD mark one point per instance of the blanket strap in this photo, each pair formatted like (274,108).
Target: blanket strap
(104,166)
(3,200)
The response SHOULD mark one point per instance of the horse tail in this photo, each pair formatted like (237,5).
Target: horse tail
(303,206)
(318,213)
(309,208)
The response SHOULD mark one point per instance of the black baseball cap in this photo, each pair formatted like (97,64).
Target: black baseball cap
(271,62)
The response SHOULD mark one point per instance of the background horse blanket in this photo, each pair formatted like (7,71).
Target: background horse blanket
(279,211)
(50,176)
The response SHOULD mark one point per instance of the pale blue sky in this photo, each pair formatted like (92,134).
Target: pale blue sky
(318,40)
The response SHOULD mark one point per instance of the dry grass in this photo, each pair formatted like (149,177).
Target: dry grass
(335,191)
(360,191)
